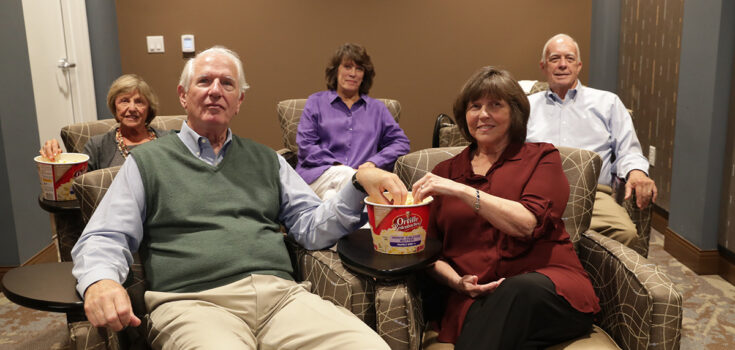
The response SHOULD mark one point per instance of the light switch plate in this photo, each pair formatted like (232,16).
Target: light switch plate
(187,43)
(155,43)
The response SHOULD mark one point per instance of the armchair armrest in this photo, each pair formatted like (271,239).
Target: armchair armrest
(640,307)
(640,217)
(332,281)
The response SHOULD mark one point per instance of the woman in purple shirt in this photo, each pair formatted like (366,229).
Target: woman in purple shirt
(342,129)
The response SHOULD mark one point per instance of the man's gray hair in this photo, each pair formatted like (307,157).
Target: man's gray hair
(188,71)
(560,35)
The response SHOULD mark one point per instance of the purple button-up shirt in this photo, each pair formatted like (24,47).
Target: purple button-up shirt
(329,133)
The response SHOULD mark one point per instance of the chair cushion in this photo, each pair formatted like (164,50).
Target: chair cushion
(91,187)
(413,166)
(582,168)
(450,136)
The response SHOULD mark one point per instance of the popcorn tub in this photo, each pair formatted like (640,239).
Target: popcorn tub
(399,229)
(56,176)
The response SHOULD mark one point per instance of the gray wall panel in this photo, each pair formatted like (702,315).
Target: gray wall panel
(102,23)
(25,226)
(708,40)
(604,45)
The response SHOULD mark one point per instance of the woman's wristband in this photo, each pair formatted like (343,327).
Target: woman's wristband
(357,184)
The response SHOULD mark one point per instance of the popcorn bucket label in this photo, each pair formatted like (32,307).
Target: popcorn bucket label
(56,177)
(398,230)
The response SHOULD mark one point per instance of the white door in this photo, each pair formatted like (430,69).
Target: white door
(61,64)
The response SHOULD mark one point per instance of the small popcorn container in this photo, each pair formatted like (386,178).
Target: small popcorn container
(399,229)
(56,176)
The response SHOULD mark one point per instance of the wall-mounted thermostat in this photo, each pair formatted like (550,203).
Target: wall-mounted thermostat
(187,43)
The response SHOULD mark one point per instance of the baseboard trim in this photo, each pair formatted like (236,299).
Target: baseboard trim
(702,262)
(48,254)
(659,219)
(727,267)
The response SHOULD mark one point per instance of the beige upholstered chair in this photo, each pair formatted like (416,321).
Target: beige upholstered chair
(447,134)
(289,114)
(640,307)
(68,225)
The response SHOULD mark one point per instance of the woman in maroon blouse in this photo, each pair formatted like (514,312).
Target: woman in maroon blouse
(515,280)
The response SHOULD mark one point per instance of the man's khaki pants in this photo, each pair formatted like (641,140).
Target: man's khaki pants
(610,219)
(257,312)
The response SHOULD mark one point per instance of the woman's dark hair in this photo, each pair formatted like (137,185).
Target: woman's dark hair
(498,84)
(357,54)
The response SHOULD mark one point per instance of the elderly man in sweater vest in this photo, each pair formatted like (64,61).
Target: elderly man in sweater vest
(204,207)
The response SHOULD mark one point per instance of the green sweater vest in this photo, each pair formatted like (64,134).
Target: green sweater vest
(207,226)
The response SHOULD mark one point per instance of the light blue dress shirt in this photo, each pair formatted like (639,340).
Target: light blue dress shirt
(591,119)
(115,230)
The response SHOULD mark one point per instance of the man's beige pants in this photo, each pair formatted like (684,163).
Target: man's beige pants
(257,312)
(610,219)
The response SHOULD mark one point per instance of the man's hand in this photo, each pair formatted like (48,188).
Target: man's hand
(106,304)
(376,181)
(645,189)
(366,165)
(467,284)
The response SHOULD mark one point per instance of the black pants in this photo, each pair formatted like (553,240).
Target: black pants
(524,312)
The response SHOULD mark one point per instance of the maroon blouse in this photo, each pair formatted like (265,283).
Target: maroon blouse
(528,173)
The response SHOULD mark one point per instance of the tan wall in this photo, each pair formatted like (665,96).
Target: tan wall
(650,38)
(423,50)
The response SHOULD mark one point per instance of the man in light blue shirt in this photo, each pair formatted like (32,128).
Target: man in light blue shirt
(572,115)
(231,287)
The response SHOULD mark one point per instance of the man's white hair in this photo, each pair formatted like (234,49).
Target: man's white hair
(188,71)
(560,35)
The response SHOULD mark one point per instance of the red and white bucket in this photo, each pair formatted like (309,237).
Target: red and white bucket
(399,229)
(56,176)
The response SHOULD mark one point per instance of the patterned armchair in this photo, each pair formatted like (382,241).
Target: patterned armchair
(640,307)
(68,225)
(447,134)
(289,114)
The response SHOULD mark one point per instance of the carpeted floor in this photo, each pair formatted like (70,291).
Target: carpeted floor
(27,329)
(709,312)
(708,300)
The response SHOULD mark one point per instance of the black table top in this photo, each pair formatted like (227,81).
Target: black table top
(58,206)
(357,252)
(47,287)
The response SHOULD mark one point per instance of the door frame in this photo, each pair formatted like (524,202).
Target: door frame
(78,50)
(73,18)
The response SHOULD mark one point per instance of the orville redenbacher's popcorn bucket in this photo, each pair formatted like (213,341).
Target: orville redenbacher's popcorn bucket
(399,229)
(56,176)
